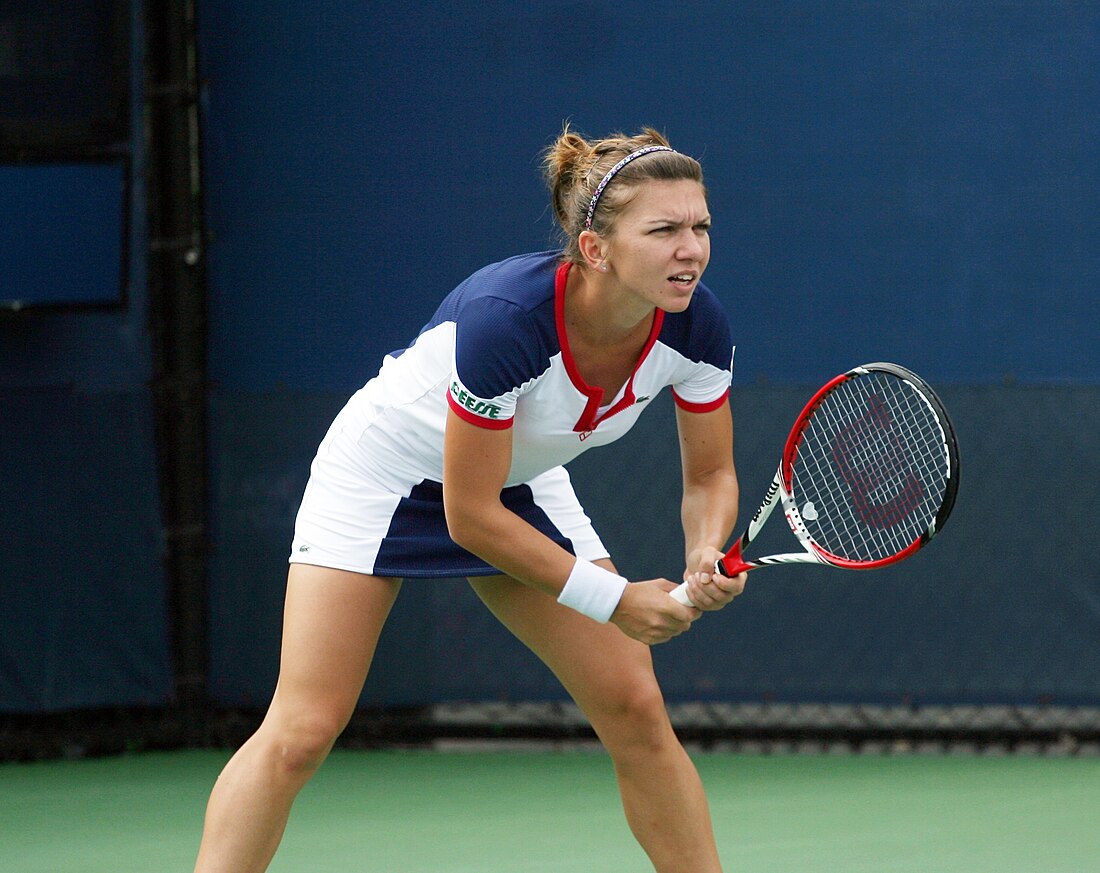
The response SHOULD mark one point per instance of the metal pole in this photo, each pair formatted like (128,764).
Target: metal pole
(177,294)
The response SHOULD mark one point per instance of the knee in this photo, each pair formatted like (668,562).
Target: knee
(635,720)
(300,745)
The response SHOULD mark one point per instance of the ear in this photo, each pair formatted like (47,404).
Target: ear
(593,248)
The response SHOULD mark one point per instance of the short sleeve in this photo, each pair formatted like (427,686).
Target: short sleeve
(707,344)
(497,354)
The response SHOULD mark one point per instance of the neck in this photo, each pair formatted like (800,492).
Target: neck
(596,307)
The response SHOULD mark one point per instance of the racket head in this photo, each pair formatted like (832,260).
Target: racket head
(870,471)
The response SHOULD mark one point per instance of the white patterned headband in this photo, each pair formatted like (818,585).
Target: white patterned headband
(611,175)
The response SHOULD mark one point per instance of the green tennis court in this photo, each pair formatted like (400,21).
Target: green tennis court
(549,812)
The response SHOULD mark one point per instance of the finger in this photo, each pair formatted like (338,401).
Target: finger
(714,594)
(722,596)
(732,585)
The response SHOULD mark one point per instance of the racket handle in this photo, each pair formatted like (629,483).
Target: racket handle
(680,594)
(729,565)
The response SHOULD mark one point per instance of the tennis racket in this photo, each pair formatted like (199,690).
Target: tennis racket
(868,476)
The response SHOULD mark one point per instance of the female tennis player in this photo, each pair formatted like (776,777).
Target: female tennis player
(449,462)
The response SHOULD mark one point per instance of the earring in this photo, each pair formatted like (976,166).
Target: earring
(603,266)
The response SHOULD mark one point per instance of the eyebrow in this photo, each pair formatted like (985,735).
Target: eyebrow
(656,221)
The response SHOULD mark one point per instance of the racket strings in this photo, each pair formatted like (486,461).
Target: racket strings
(871,469)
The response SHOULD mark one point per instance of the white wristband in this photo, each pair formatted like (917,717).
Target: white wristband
(592,590)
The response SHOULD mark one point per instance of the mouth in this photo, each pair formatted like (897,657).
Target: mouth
(685,279)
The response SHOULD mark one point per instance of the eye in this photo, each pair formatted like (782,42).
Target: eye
(703,228)
(667,228)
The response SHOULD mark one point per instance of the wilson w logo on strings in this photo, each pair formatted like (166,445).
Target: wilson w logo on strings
(877,468)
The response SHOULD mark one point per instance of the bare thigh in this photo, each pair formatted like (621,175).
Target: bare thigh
(331,624)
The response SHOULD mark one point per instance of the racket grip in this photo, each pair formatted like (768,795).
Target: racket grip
(729,565)
(680,594)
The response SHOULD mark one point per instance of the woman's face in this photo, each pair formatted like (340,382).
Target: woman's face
(660,243)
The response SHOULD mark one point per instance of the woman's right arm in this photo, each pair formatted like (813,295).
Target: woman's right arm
(476,463)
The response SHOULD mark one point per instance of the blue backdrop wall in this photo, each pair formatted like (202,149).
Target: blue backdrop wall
(888,181)
(83,601)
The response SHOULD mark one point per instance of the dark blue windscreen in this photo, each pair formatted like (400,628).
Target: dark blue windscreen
(64,242)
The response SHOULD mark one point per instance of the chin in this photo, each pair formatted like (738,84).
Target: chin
(678,302)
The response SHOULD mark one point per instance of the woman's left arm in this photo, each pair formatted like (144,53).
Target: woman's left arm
(709,508)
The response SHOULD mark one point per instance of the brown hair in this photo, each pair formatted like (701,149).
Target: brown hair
(574,167)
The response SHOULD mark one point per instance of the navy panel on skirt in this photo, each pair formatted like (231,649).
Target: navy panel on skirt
(417,543)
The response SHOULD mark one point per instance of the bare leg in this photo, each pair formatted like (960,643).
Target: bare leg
(331,625)
(611,678)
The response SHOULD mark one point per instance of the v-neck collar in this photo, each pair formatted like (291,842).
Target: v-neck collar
(591,417)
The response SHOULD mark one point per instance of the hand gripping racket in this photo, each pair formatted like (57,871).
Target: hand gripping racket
(868,476)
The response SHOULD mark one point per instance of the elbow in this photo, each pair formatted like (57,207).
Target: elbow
(459,531)
(464,526)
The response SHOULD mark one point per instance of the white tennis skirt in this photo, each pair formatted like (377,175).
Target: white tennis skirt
(350,520)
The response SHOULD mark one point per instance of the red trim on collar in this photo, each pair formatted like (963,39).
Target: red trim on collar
(590,418)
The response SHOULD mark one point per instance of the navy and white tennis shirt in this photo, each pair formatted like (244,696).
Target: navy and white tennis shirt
(496,352)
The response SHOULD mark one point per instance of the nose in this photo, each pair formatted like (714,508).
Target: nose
(692,246)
